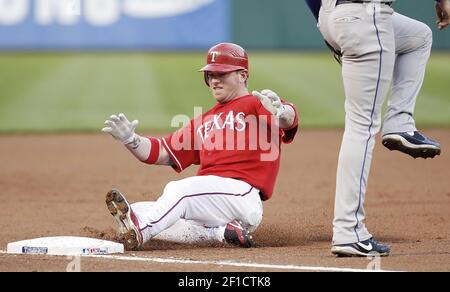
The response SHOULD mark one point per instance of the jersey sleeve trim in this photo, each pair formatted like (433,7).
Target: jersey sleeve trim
(154,150)
(178,167)
(295,123)
(288,134)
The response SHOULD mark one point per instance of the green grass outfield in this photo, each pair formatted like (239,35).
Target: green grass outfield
(73,92)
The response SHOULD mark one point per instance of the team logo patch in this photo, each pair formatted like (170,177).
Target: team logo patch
(367,247)
(213,57)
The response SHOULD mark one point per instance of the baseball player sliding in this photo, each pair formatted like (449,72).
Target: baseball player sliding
(237,145)
(377,47)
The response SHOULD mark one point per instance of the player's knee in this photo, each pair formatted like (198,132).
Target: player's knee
(427,35)
(359,123)
(254,219)
(173,190)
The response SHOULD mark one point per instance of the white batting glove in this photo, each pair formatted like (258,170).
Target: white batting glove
(271,101)
(120,128)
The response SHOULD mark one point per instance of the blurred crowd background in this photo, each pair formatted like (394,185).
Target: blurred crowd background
(65,65)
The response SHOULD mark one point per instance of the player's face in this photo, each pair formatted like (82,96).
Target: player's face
(227,86)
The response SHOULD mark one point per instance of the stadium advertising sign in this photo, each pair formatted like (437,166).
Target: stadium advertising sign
(112,24)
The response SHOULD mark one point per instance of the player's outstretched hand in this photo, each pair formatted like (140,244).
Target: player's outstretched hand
(120,128)
(271,101)
(443,14)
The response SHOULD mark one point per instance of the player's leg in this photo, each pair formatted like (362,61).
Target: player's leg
(183,231)
(193,232)
(413,41)
(239,212)
(367,44)
(210,201)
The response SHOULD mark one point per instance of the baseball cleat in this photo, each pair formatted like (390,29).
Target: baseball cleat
(128,224)
(365,248)
(238,235)
(412,143)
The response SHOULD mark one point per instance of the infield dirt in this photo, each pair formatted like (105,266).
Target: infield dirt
(56,184)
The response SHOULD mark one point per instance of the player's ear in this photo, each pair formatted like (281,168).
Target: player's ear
(243,75)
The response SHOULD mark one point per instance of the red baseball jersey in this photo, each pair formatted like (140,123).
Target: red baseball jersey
(239,139)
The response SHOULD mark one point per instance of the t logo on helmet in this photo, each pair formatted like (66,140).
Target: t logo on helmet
(213,57)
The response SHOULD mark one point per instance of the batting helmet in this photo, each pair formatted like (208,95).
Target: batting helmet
(225,57)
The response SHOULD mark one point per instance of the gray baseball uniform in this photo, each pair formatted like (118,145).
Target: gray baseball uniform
(378,47)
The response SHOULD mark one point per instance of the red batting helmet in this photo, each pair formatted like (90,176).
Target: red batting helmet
(225,57)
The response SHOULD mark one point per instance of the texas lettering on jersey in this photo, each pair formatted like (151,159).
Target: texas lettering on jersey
(231,122)
(239,139)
